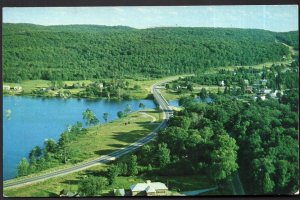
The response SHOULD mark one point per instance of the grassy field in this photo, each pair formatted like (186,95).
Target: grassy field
(142,93)
(52,187)
(104,139)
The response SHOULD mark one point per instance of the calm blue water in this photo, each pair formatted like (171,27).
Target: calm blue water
(33,119)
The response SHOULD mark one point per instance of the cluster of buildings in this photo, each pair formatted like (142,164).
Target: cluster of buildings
(144,189)
(139,189)
(258,89)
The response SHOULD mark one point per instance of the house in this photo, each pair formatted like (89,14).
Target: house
(149,189)
(221,83)
(274,94)
(99,85)
(76,85)
(6,87)
(249,89)
(263,82)
(18,88)
(119,192)
(267,91)
(66,193)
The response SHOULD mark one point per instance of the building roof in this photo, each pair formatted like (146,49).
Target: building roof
(150,186)
(150,189)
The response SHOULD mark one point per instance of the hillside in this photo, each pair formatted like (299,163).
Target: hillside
(77,52)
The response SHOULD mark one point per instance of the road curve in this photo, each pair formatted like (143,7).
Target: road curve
(163,105)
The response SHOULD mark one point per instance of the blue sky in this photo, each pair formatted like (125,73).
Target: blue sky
(278,18)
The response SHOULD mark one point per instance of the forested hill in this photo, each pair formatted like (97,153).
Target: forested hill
(76,52)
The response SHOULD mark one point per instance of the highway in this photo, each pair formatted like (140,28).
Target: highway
(167,112)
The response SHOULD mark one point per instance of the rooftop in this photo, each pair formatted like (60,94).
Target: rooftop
(148,187)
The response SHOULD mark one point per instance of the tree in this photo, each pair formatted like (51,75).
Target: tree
(105,116)
(77,128)
(190,87)
(120,114)
(64,146)
(132,166)
(224,157)
(203,93)
(90,117)
(167,86)
(142,105)
(163,155)
(127,109)
(91,186)
(50,146)
(137,87)
(112,173)
(23,167)
(36,152)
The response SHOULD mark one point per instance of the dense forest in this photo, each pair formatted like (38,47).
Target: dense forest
(263,133)
(79,52)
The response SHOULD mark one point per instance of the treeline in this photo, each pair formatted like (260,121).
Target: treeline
(290,38)
(78,52)
(266,133)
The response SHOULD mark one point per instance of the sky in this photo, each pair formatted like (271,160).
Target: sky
(278,18)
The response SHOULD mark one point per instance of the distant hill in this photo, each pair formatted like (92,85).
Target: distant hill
(76,52)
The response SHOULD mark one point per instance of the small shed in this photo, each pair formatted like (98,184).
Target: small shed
(17,88)
(6,87)
(221,83)
(119,192)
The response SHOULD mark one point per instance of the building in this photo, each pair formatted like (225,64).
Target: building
(149,189)
(274,94)
(267,91)
(221,83)
(249,89)
(6,87)
(119,192)
(66,193)
(18,88)
(263,82)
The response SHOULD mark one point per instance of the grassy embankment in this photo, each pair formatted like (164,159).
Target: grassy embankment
(111,136)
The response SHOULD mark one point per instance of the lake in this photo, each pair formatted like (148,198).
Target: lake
(28,121)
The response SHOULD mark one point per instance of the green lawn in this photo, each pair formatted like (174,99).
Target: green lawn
(101,140)
(52,187)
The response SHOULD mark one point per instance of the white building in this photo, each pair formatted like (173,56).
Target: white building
(221,83)
(17,88)
(149,189)
(6,87)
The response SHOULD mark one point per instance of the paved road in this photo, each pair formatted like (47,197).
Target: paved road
(163,104)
